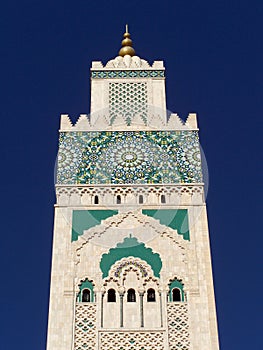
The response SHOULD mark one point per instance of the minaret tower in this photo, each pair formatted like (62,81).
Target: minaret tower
(131,265)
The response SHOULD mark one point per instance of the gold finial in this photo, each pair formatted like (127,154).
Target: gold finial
(126,43)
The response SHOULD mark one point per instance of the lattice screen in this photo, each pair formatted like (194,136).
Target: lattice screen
(86,333)
(178,326)
(132,340)
(85,327)
(127,100)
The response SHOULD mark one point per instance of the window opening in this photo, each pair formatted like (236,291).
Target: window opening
(131,296)
(163,200)
(111,296)
(96,200)
(151,295)
(140,199)
(176,294)
(118,199)
(86,296)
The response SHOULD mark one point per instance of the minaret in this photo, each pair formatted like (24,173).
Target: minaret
(131,265)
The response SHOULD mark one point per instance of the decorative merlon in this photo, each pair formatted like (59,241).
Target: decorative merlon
(83,122)
(158,65)
(175,122)
(119,120)
(96,65)
(65,122)
(191,121)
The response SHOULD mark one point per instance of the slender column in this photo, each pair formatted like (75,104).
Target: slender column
(165,292)
(141,309)
(121,310)
(101,308)
(121,293)
(161,307)
(141,293)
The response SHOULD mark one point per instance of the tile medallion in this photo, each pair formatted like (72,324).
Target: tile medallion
(132,157)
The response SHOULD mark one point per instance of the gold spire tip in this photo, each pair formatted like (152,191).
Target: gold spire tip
(126,43)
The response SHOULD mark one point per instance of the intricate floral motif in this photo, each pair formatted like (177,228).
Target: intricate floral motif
(129,157)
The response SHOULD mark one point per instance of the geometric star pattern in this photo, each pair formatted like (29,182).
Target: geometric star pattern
(116,157)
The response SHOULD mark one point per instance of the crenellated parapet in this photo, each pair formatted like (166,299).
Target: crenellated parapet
(103,121)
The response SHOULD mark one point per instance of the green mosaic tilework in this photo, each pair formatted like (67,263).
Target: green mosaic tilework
(176,219)
(129,157)
(127,74)
(130,247)
(85,219)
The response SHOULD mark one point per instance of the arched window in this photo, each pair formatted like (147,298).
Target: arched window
(111,296)
(163,200)
(96,199)
(140,199)
(118,199)
(151,295)
(85,296)
(176,291)
(85,293)
(176,294)
(131,296)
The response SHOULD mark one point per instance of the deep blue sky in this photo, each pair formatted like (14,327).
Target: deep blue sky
(213,55)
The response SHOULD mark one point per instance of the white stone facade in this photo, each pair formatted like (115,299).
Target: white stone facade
(94,220)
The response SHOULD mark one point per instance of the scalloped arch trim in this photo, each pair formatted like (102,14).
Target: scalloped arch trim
(130,247)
